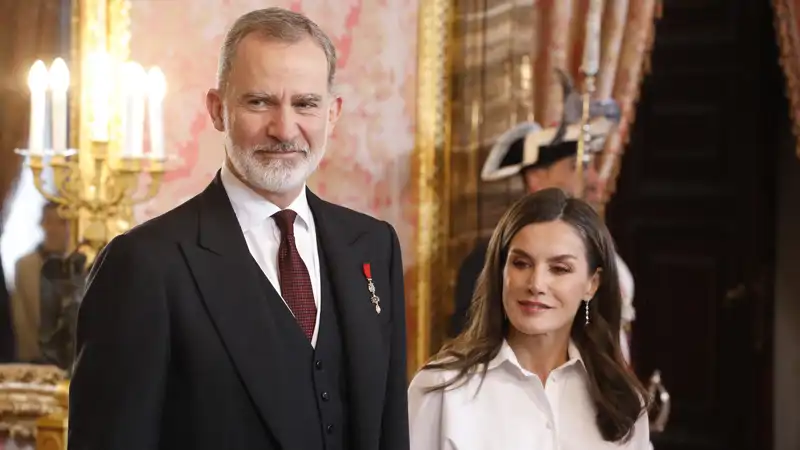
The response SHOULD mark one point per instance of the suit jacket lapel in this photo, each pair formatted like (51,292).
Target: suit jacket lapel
(367,362)
(229,283)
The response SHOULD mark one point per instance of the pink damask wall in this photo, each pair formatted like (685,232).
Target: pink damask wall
(368,163)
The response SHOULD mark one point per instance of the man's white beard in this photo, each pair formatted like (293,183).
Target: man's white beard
(278,175)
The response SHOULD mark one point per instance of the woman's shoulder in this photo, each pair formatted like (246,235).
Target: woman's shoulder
(430,377)
(434,376)
(433,387)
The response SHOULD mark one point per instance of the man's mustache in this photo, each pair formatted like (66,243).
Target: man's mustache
(281,147)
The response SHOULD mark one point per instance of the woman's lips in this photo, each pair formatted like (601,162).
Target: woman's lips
(530,306)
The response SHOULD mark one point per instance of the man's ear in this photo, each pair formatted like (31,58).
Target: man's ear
(334,112)
(214,105)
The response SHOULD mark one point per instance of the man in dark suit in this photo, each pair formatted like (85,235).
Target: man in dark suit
(256,315)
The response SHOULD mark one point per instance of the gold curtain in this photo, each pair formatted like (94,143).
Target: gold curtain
(494,67)
(787,26)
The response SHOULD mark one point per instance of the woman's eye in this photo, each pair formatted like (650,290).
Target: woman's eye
(520,264)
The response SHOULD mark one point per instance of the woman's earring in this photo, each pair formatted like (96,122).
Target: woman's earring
(586,308)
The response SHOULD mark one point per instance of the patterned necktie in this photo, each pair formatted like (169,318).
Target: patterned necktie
(295,282)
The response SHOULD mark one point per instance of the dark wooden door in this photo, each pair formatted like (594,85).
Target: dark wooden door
(693,217)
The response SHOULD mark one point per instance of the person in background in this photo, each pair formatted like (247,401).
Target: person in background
(544,158)
(62,286)
(539,364)
(26,301)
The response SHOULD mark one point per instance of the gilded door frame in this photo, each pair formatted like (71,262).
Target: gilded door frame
(430,279)
(95,26)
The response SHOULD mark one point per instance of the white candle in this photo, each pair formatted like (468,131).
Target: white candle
(37,82)
(134,83)
(156,89)
(59,84)
(100,67)
(591,51)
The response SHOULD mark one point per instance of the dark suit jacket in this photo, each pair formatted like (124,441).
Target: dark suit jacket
(467,278)
(175,350)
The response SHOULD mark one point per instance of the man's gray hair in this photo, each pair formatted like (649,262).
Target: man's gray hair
(278,24)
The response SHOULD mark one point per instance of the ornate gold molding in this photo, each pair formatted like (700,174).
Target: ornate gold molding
(789,43)
(431,161)
(96,26)
(30,394)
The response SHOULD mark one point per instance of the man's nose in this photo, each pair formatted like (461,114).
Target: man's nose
(283,125)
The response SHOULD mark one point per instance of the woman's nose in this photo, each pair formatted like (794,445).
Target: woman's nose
(537,280)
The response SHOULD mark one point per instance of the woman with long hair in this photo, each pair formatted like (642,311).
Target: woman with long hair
(539,364)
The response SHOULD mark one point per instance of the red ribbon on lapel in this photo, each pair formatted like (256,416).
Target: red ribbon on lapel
(367,271)
(376,301)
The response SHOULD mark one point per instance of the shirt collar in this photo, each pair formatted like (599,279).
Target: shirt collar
(507,356)
(252,209)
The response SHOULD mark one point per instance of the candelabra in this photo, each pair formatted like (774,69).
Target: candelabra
(96,186)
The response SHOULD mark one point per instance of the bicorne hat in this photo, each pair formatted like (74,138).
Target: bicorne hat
(528,145)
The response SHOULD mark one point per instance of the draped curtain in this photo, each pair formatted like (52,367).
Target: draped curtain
(29,30)
(787,25)
(503,72)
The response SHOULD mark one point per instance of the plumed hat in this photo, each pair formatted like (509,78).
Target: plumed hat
(528,145)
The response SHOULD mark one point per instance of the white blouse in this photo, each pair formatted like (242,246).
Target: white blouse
(512,410)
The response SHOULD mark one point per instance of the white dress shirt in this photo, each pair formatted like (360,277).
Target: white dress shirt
(263,236)
(511,411)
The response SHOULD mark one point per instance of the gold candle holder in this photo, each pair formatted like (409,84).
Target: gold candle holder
(98,199)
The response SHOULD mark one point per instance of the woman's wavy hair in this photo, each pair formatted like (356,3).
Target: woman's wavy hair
(618,396)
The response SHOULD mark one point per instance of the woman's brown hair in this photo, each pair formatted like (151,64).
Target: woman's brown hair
(617,395)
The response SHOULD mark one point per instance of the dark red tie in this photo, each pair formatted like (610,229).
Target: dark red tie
(295,282)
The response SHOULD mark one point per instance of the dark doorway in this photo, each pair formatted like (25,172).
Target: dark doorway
(694,218)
